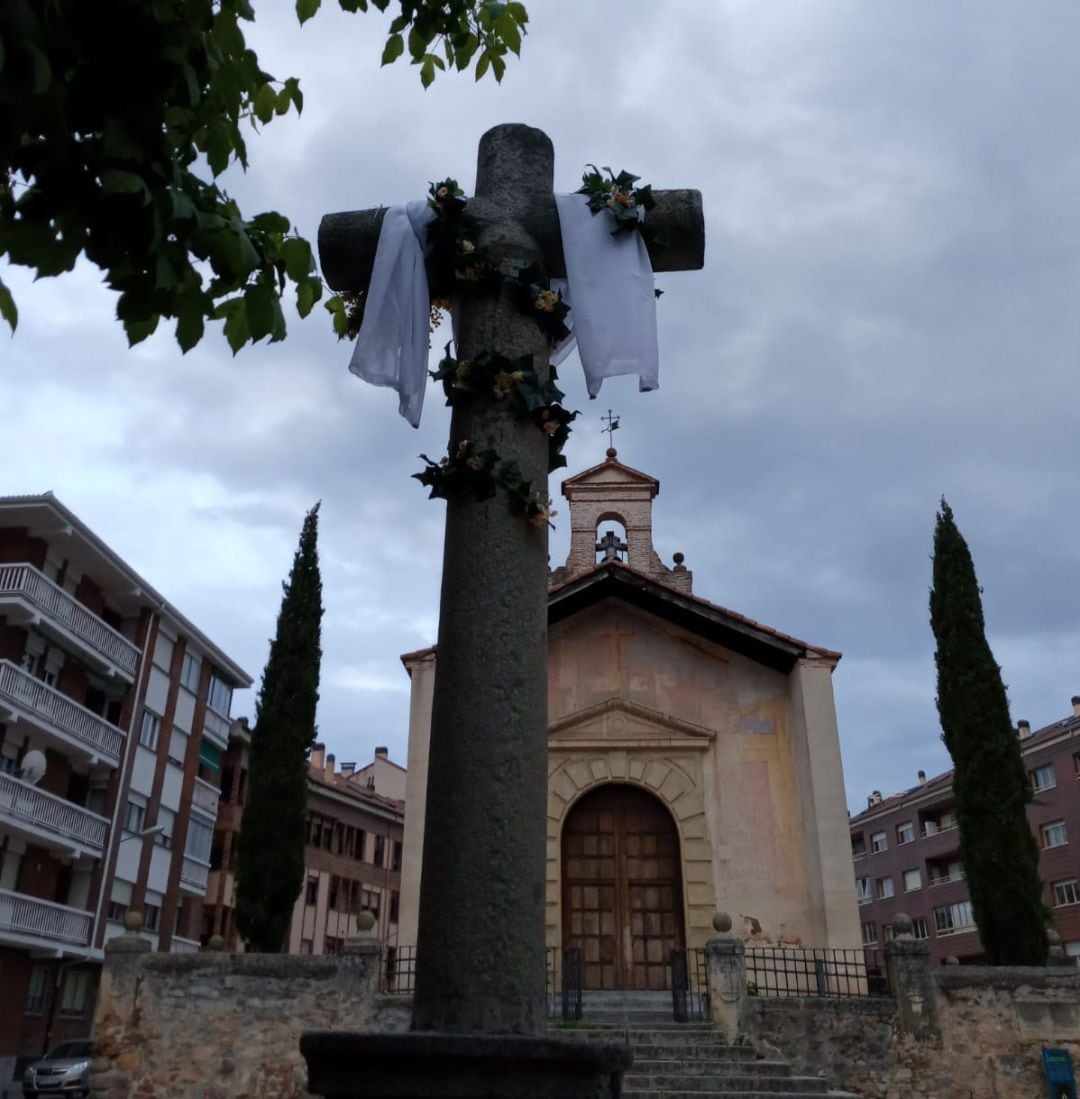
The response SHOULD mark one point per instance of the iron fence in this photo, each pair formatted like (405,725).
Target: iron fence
(689,985)
(806,971)
(564,983)
(399,971)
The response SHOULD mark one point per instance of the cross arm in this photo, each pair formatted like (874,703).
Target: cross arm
(347,241)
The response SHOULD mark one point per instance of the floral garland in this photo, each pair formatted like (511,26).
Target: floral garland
(479,472)
(618,195)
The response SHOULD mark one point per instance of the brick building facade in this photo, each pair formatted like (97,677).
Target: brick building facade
(114,713)
(352,860)
(906,850)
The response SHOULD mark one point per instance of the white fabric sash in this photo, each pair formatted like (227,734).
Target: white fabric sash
(611,297)
(609,288)
(392,345)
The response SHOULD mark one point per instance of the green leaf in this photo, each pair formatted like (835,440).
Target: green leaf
(114,181)
(518,12)
(508,29)
(296,252)
(139,330)
(189,321)
(353,5)
(418,44)
(7,308)
(42,69)
(259,308)
(270,222)
(482,64)
(395,47)
(498,67)
(427,70)
(236,324)
(308,292)
(292,86)
(265,103)
(305,9)
(335,306)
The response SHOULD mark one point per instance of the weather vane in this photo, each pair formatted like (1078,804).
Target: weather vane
(612,419)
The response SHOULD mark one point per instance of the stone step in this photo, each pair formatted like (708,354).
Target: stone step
(649,1093)
(663,1050)
(718,1084)
(703,1066)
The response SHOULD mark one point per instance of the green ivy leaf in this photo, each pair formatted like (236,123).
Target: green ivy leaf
(7,308)
(265,103)
(335,306)
(508,29)
(296,252)
(395,47)
(236,323)
(139,330)
(189,321)
(308,292)
(483,63)
(305,9)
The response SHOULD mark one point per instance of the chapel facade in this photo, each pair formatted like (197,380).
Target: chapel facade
(693,759)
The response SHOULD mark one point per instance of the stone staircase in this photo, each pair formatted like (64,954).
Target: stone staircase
(686,1060)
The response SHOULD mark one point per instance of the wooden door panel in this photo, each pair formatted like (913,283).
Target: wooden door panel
(622,889)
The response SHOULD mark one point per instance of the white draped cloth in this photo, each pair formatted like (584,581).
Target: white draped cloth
(609,288)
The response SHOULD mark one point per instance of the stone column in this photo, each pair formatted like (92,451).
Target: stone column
(725,957)
(912,982)
(362,958)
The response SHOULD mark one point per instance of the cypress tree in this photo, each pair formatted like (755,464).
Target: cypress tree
(990,782)
(270,870)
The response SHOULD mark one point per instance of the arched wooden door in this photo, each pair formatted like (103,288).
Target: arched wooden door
(622,888)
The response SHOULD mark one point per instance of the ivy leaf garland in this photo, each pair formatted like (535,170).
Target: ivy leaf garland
(618,195)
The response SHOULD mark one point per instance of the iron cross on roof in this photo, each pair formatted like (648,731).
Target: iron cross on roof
(612,421)
(611,546)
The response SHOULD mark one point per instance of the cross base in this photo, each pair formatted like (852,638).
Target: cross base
(426,1065)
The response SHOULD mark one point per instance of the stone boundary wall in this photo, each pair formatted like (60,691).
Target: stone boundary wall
(227,1026)
(992,1025)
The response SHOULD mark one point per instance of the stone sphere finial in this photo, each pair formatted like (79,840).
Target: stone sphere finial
(952,960)
(215,943)
(1052,936)
(365,921)
(133,921)
(679,558)
(722,922)
(901,926)
(612,453)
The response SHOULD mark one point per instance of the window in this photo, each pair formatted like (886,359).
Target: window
(887,931)
(912,880)
(178,742)
(151,916)
(1043,778)
(878,842)
(332,895)
(862,890)
(885,887)
(869,934)
(369,901)
(219,697)
(858,847)
(312,892)
(305,946)
(35,990)
(116,911)
(189,673)
(395,863)
(200,838)
(951,918)
(358,849)
(163,651)
(939,822)
(1054,834)
(395,902)
(945,870)
(331,945)
(151,726)
(134,815)
(905,832)
(167,819)
(919,930)
(380,850)
(1066,892)
(76,994)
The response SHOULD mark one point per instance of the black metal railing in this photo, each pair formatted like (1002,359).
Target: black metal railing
(399,971)
(689,985)
(807,971)
(564,983)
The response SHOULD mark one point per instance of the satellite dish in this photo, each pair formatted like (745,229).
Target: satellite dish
(33,767)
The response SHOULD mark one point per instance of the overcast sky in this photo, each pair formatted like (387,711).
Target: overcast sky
(888,313)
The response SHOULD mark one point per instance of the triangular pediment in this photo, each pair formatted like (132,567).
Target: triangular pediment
(617,722)
(610,472)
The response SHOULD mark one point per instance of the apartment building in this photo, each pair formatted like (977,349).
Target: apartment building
(114,716)
(352,858)
(906,850)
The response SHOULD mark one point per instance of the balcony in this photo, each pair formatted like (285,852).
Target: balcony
(33,922)
(50,819)
(56,608)
(57,715)
(205,797)
(194,874)
(216,728)
(183,946)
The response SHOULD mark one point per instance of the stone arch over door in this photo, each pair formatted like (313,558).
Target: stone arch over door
(622,900)
(676,777)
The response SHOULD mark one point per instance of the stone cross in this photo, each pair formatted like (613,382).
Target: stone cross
(611,546)
(480,963)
